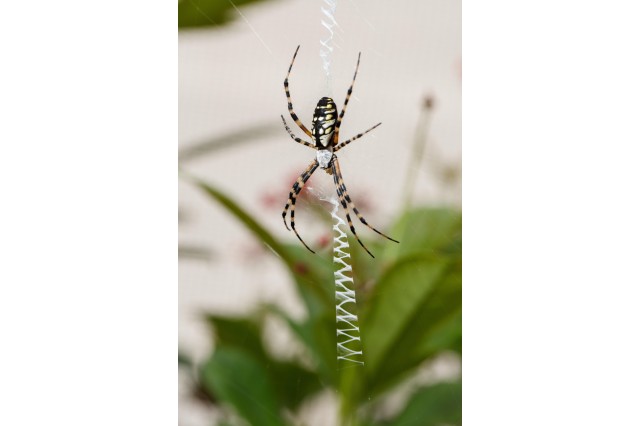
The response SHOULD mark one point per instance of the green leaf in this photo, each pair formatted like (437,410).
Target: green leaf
(398,296)
(313,275)
(311,272)
(252,225)
(294,382)
(184,360)
(207,13)
(446,337)
(194,252)
(436,405)
(318,334)
(240,333)
(240,380)
(427,230)
(249,133)
(442,311)
(409,317)
(429,331)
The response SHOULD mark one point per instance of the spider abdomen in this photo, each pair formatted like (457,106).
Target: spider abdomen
(324,123)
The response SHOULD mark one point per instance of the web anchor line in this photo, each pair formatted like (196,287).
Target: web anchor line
(326,46)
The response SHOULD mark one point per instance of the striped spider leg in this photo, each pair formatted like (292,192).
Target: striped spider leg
(343,195)
(293,195)
(324,133)
(290,104)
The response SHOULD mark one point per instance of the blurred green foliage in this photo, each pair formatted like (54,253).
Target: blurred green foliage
(207,13)
(409,306)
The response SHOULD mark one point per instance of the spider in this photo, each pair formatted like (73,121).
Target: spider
(325,129)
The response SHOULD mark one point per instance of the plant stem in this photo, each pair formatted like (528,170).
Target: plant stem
(419,145)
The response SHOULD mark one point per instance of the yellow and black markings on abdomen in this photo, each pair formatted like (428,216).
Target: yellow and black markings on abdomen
(324,123)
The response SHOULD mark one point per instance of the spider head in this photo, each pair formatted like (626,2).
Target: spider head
(324,123)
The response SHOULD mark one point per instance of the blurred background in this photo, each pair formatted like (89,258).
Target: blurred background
(256,310)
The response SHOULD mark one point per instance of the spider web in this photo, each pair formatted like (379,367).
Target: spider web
(348,331)
(349,345)
(328,21)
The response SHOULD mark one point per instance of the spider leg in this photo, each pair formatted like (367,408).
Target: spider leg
(297,187)
(305,143)
(338,178)
(341,195)
(293,194)
(290,105)
(346,101)
(358,136)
